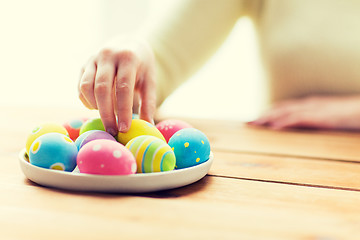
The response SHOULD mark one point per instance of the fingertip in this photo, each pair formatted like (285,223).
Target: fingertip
(147,111)
(259,122)
(110,126)
(112,131)
(123,126)
(152,121)
(147,117)
(285,123)
(277,126)
(251,122)
(124,122)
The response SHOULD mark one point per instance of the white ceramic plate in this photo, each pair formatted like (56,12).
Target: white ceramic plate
(136,183)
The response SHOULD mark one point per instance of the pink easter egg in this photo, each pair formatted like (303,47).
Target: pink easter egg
(106,157)
(170,126)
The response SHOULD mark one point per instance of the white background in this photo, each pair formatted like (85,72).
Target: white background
(44,44)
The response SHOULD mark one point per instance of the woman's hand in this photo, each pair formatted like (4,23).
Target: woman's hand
(321,112)
(120,78)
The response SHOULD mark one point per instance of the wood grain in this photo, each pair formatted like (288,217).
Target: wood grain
(238,137)
(297,184)
(213,208)
(292,170)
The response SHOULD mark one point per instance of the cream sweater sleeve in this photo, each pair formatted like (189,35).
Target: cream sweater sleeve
(183,42)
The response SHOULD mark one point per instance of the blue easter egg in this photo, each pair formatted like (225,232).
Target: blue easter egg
(191,147)
(53,151)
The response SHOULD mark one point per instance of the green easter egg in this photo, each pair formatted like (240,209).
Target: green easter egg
(92,124)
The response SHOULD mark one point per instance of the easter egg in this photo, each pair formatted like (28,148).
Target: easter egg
(53,151)
(41,130)
(92,124)
(152,154)
(170,126)
(73,127)
(106,157)
(191,147)
(135,116)
(81,137)
(92,135)
(139,127)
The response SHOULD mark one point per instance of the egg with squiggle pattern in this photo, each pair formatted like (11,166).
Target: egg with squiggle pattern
(152,154)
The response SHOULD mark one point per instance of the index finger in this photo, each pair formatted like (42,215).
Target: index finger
(124,91)
(104,98)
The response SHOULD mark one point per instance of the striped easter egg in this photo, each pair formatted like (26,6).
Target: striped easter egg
(152,154)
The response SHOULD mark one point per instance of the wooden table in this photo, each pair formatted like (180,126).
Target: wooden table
(263,185)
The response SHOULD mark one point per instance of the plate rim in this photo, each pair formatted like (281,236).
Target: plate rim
(112,183)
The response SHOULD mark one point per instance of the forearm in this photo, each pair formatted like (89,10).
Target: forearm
(183,43)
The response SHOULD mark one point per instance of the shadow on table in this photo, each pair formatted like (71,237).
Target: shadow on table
(180,192)
(172,193)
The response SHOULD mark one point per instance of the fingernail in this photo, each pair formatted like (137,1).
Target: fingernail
(123,127)
(255,122)
(112,131)
(276,126)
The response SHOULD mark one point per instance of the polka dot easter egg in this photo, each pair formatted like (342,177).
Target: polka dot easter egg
(152,154)
(92,124)
(73,127)
(170,126)
(106,157)
(53,151)
(139,127)
(41,130)
(92,135)
(191,147)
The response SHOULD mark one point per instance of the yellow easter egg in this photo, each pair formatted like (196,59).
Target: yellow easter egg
(151,154)
(138,128)
(41,130)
